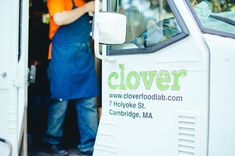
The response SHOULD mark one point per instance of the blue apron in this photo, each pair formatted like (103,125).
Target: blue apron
(72,70)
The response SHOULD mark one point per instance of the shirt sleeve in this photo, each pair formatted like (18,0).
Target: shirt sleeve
(55,6)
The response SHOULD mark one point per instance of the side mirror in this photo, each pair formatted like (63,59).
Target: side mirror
(108,28)
(111,28)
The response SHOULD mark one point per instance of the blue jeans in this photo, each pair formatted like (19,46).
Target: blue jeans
(87,122)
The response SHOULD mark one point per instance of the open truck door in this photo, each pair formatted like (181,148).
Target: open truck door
(160,87)
(13,76)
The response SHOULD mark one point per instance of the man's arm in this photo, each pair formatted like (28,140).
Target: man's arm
(67,17)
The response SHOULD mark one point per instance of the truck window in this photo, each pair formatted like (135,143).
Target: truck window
(150,23)
(217,15)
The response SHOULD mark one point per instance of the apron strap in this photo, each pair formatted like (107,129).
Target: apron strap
(74,6)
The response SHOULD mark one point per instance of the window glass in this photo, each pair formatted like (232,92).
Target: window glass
(149,22)
(216,14)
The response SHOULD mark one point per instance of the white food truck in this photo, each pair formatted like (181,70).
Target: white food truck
(167,77)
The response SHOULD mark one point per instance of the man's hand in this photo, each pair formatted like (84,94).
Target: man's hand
(90,6)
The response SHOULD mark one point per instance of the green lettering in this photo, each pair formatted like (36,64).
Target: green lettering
(176,76)
(111,76)
(118,80)
(133,75)
(163,78)
(147,82)
(122,85)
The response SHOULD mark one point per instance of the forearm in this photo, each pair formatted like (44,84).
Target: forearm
(67,17)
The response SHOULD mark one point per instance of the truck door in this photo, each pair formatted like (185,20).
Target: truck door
(155,87)
(13,74)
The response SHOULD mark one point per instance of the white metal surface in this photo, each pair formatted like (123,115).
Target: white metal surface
(201,125)
(13,86)
(222,99)
(161,127)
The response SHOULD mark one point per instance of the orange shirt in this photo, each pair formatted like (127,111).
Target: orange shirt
(55,6)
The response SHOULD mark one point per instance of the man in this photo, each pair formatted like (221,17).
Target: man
(72,74)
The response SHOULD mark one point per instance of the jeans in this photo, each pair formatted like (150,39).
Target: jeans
(87,122)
